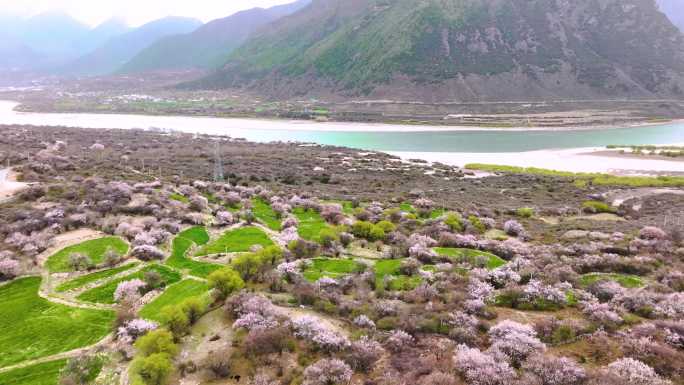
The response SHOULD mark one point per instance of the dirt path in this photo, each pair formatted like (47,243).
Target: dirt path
(9,187)
(618,197)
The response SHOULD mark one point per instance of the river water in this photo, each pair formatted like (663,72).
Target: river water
(363,135)
(557,149)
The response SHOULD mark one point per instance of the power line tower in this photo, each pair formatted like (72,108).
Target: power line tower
(218,163)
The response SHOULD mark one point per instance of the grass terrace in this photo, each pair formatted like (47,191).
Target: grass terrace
(407,207)
(179,198)
(265,214)
(236,241)
(180,260)
(95,249)
(332,268)
(390,267)
(105,293)
(197,234)
(626,281)
(32,327)
(473,257)
(40,374)
(310,224)
(593,178)
(173,295)
(93,277)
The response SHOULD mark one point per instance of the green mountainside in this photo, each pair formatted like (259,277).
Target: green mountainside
(120,49)
(463,50)
(210,45)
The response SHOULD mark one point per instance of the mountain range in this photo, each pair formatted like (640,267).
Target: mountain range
(209,46)
(119,50)
(464,50)
(428,50)
(50,39)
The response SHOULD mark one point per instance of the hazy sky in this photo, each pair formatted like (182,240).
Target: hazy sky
(135,12)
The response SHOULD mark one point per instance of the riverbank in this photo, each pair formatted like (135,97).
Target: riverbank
(590,160)
(547,122)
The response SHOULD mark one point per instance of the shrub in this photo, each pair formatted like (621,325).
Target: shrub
(176,320)
(652,233)
(555,371)
(153,279)
(399,340)
(328,372)
(154,369)
(193,307)
(80,370)
(224,218)
(364,353)
(147,253)
(455,222)
(477,224)
(129,291)
(525,212)
(9,268)
(633,372)
(513,228)
(131,330)
(303,249)
(367,230)
(270,340)
(198,203)
(225,282)
(597,207)
(516,341)
(112,257)
(247,265)
(482,369)
(80,262)
(386,226)
(328,237)
(219,363)
(158,341)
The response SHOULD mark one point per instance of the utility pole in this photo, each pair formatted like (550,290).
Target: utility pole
(218,163)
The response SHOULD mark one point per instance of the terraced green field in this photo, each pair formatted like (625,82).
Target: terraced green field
(93,277)
(33,327)
(197,234)
(105,293)
(390,267)
(41,374)
(95,249)
(179,260)
(180,246)
(236,241)
(627,281)
(173,295)
(471,256)
(265,214)
(310,224)
(332,268)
